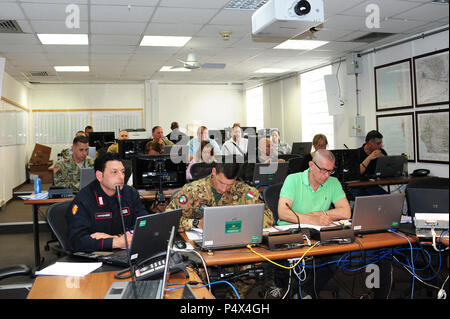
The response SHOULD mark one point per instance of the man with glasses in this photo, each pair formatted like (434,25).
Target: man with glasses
(309,194)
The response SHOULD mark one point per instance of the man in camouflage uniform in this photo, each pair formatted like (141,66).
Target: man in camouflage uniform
(114,148)
(218,189)
(67,171)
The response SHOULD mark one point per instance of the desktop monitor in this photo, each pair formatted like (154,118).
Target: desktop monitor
(178,153)
(301,148)
(346,164)
(157,171)
(101,139)
(131,147)
(218,136)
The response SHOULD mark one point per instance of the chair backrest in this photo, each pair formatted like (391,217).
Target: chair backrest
(296,164)
(200,170)
(287,157)
(56,219)
(271,196)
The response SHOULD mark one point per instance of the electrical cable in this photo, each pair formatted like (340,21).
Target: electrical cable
(212,283)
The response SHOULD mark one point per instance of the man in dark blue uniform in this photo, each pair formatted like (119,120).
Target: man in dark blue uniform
(93,219)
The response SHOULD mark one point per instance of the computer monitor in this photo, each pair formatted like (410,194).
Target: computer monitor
(131,147)
(155,171)
(178,153)
(346,164)
(101,139)
(217,135)
(301,148)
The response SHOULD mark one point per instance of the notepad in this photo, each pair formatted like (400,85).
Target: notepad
(69,269)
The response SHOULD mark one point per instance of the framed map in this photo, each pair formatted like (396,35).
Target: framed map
(431,78)
(398,134)
(393,86)
(432,136)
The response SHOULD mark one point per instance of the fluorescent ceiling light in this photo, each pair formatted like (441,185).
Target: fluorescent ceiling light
(270,70)
(79,68)
(164,41)
(67,39)
(300,44)
(173,69)
(245,4)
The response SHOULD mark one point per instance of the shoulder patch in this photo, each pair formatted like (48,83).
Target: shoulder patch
(74,209)
(182,199)
(250,195)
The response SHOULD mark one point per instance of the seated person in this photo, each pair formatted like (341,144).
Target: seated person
(93,220)
(266,152)
(307,196)
(202,135)
(236,145)
(67,171)
(220,188)
(319,142)
(114,148)
(158,136)
(205,154)
(154,148)
(177,136)
(279,146)
(368,155)
(67,152)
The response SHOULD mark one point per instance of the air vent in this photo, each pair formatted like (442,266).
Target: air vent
(36,73)
(10,26)
(245,4)
(373,37)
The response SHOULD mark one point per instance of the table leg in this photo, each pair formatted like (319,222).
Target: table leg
(37,253)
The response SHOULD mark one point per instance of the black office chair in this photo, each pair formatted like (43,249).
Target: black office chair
(201,170)
(296,164)
(15,270)
(271,196)
(56,219)
(287,157)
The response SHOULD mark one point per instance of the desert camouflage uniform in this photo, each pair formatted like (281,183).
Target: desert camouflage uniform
(113,148)
(195,195)
(69,172)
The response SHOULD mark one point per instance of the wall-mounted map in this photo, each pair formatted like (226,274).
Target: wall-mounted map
(432,136)
(431,78)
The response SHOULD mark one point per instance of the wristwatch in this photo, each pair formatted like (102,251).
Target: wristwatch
(195,223)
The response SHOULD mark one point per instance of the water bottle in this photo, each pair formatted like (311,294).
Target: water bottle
(37,185)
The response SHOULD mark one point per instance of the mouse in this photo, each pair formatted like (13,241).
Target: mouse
(180,244)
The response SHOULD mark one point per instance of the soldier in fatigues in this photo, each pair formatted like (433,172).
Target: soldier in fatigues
(67,171)
(218,189)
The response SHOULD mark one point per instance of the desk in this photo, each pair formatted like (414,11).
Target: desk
(245,256)
(96,285)
(36,203)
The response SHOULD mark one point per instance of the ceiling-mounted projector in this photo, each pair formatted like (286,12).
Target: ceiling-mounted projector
(287,18)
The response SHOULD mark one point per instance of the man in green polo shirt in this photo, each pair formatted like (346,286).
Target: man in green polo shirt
(310,193)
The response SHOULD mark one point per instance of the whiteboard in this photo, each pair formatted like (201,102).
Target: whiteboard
(13,124)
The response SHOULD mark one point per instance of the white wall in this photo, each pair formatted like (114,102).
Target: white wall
(215,106)
(13,157)
(367,92)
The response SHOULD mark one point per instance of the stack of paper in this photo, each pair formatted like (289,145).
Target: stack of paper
(69,269)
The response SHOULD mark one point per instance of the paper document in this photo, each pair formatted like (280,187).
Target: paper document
(69,269)
(43,195)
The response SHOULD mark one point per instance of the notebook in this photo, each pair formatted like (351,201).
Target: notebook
(390,166)
(427,200)
(148,289)
(232,226)
(150,236)
(301,148)
(377,213)
(270,173)
(87,175)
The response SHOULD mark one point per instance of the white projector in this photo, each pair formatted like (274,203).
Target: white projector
(287,18)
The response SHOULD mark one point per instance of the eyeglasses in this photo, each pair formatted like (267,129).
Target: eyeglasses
(323,170)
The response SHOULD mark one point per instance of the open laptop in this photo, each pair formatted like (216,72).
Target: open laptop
(149,289)
(232,226)
(390,166)
(427,200)
(87,175)
(150,236)
(301,148)
(377,213)
(270,173)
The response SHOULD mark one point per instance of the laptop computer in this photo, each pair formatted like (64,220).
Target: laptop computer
(377,213)
(148,289)
(427,200)
(390,166)
(232,226)
(301,148)
(87,175)
(150,236)
(270,173)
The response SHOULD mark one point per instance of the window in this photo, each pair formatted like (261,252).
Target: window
(254,105)
(314,107)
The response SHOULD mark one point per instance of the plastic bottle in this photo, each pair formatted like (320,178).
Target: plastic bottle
(37,185)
